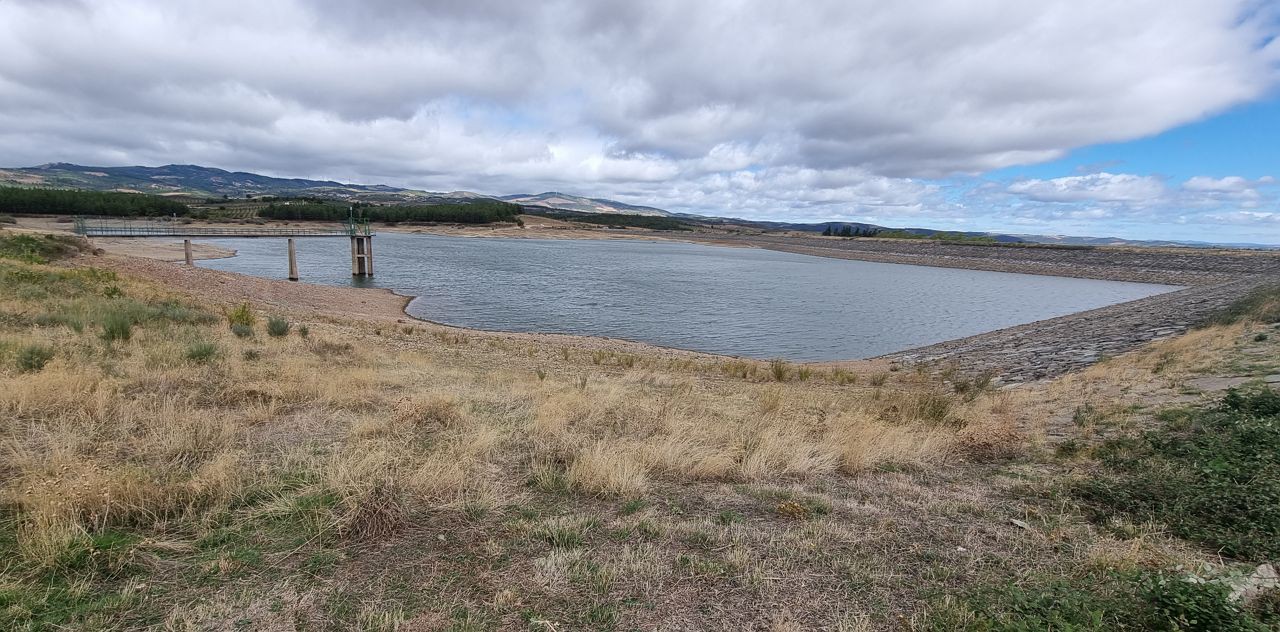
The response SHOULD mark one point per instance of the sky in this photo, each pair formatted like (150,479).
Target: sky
(1139,119)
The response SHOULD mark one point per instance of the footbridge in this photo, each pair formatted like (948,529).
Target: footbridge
(355,229)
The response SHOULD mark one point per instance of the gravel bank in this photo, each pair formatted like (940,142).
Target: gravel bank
(1173,266)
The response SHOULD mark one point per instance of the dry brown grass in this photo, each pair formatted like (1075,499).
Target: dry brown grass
(353,437)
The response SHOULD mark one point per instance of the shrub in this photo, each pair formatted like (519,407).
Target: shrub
(277,327)
(60,320)
(242,331)
(202,352)
(241,314)
(33,358)
(304,331)
(117,326)
(779,370)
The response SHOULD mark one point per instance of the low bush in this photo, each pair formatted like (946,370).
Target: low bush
(117,326)
(201,352)
(241,314)
(779,370)
(277,327)
(242,331)
(32,358)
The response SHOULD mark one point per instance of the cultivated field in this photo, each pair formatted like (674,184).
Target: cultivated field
(183,464)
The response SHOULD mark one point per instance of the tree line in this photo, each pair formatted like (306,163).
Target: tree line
(850,231)
(614,220)
(72,202)
(478,212)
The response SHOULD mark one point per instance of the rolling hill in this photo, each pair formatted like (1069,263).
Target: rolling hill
(566,202)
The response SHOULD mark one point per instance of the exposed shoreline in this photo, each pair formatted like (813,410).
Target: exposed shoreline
(372,305)
(1037,350)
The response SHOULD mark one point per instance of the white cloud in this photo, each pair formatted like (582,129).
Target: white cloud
(1229,184)
(832,108)
(1096,187)
(1203,204)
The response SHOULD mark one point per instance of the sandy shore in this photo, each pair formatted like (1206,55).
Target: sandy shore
(149,247)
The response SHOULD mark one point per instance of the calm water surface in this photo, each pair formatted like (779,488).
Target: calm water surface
(733,301)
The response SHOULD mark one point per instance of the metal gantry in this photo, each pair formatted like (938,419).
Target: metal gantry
(355,228)
(97,227)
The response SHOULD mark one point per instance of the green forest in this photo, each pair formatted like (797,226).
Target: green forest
(478,212)
(69,202)
(618,220)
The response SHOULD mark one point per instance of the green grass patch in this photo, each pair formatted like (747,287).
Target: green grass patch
(40,282)
(1211,475)
(1100,600)
(201,352)
(117,327)
(1261,305)
(79,588)
(31,248)
(32,358)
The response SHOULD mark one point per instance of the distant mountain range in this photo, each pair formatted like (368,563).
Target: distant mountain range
(207,182)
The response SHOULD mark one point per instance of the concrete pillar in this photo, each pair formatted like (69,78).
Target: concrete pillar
(355,256)
(186,251)
(293,261)
(368,255)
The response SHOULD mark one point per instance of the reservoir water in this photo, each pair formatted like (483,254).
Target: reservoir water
(733,301)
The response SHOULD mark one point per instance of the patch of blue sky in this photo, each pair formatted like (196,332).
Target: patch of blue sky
(1239,142)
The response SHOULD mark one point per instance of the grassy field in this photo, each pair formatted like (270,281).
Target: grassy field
(179,465)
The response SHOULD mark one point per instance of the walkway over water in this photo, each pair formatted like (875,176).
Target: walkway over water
(177,228)
(358,230)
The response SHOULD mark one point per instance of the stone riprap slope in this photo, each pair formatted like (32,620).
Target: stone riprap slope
(1052,347)
(1174,266)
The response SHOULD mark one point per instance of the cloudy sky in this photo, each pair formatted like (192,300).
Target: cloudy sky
(1142,118)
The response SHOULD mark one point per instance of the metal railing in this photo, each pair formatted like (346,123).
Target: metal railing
(88,227)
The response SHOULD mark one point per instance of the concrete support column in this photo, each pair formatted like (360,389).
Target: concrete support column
(186,251)
(361,255)
(293,261)
(355,256)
